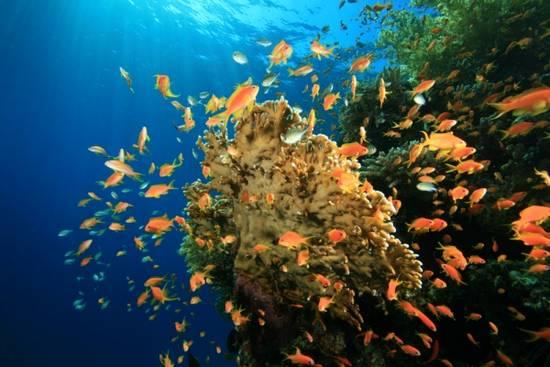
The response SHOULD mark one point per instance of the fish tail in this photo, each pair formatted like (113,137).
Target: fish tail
(451,168)
(171,94)
(500,107)
(534,337)
(290,71)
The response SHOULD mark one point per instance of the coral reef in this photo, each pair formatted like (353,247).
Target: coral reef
(261,188)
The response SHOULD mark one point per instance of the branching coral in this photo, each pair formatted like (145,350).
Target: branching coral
(262,187)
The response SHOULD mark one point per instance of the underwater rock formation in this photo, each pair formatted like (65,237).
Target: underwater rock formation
(261,188)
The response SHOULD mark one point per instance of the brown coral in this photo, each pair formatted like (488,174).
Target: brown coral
(309,198)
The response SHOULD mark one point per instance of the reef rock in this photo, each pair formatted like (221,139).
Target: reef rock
(261,187)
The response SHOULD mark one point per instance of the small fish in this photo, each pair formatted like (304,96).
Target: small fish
(239,57)
(64,232)
(96,149)
(264,42)
(361,64)
(162,84)
(426,186)
(419,100)
(192,100)
(124,74)
(269,79)
(293,135)
(424,86)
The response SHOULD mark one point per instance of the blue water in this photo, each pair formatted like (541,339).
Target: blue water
(61,93)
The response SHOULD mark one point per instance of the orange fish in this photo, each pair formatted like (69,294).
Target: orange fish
(446,125)
(424,86)
(477,195)
(158,190)
(280,54)
(292,240)
(442,141)
(260,247)
(113,180)
(299,358)
(382,93)
(544,175)
(315,90)
(445,311)
(243,97)
(474,316)
(532,102)
(214,104)
(89,223)
(301,71)
(153,281)
(458,193)
(469,167)
(142,298)
(116,227)
(538,268)
(143,138)
(83,247)
(138,242)
(452,273)
(121,207)
(353,150)
(197,280)
(518,129)
(119,166)
(324,281)
(504,358)
(420,225)
(302,257)
(205,201)
(161,295)
(361,64)
(353,87)
(324,303)
(336,235)
(439,283)
(319,50)
(165,360)
(329,100)
(410,350)
(543,333)
(158,225)
(162,83)
(167,169)
(391,292)
(461,153)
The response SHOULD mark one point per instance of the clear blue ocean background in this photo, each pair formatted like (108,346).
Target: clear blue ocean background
(61,93)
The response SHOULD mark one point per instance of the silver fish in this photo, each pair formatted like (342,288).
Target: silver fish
(269,79)
(264,42)
(426,186)
(293,135)
(64,232)
(203,95)
(240,58)
(419,100)
(192,100)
